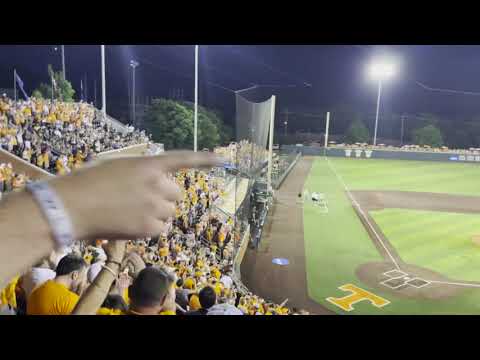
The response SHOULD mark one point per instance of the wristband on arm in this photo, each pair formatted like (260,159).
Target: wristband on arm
(54,211)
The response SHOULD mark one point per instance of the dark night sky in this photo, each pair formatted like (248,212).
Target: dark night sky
(336,73)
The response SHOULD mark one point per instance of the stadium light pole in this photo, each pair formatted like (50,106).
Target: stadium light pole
(380,71)
(104,94)
(62,53)
(63,63)
(133,65)
(195,115)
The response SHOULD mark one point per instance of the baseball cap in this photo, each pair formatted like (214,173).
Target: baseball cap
(224,309)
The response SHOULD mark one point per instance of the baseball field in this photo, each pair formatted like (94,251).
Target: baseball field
(393,236)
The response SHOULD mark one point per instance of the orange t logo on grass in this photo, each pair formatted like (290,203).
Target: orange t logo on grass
(357,295)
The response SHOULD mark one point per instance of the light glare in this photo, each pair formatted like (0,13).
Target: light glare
(380,70)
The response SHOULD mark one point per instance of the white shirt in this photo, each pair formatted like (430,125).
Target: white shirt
(36,277)
(94,270)
(226,281)
(224,309)
(315,196)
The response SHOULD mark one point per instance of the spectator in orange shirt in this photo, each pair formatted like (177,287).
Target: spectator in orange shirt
(60,295)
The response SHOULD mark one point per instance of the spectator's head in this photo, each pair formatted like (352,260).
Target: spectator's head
(72,272)
(149,290)
(207,297)
(56,256)
(115,302)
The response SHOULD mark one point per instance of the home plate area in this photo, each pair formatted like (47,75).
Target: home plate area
(398,279)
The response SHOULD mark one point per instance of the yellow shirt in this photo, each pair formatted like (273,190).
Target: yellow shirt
(51,298)
(79,157)
(163,251)
(189,284)
(194,302)
(216,273)
(71,160)
(168,313)
(59,167)
(106,311)
(8,296)
(218,289)
(125,297)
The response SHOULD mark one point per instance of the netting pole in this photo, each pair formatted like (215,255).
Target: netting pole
(15,84)
(104,94)
(270,145)
(327,127)
(195,116)
(63,62)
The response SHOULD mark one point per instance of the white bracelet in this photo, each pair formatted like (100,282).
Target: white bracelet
(53,209)
(110,270)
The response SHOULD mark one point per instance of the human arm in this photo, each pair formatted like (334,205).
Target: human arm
(122,198)
(96,293)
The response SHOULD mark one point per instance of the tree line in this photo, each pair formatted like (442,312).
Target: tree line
(172,123)
(350,126)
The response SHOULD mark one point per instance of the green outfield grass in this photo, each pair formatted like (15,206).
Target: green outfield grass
(337,243)
(437,241)
(402,175)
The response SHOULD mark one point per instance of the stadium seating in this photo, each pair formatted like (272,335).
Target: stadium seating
(198,245)
(58,136)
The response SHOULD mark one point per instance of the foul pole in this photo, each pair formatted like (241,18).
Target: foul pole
(327,128)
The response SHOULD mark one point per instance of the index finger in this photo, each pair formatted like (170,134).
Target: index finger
(176,160)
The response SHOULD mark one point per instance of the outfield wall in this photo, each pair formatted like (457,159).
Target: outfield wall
(385,154)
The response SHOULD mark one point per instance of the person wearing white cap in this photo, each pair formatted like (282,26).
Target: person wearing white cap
(224,309)
(36,276)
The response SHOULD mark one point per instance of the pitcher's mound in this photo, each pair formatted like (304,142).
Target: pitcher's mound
(476,239)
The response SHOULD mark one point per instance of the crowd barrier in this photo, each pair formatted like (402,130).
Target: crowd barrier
(353,152)
(237,262)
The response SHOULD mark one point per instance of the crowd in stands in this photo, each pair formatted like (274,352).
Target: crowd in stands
(10,180)
(419,148)
(58,136)
(186,270)
(244,155)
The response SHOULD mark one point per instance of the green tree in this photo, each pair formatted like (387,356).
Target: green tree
(37,94)
(426,119)
(171,123)
(344,115)
(428,135)
(63,89)
(225,132)
(357,132)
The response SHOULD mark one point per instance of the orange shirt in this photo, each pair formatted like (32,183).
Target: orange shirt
(51,298)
